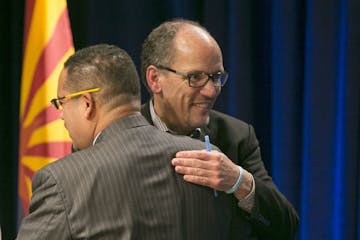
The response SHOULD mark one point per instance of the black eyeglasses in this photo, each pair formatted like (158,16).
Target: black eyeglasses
(58,102)
(199,79)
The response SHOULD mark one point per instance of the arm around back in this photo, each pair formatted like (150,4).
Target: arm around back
(272,215)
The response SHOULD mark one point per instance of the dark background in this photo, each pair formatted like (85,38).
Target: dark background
(294,70)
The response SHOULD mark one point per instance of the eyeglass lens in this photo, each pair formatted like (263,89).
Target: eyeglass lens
(200,79)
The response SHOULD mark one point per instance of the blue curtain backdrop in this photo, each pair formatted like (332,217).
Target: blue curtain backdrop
(294,74)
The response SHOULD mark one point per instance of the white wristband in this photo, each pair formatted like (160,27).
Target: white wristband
(238,181)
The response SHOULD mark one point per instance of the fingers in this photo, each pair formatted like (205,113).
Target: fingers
(197,176)
(211,169)
(191,162)
(198,163)
(204,181)
(206,173)
(193,171)
(200,154)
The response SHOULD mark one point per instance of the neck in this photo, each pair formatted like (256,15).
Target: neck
(108,117)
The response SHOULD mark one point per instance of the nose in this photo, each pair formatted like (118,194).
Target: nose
(210,90)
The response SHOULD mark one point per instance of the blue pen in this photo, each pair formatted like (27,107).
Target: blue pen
(208,149)
(207,143)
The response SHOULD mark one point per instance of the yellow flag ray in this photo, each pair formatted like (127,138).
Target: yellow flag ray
(44,18)
(47,45)
(28,182)
(46,92)
(45,134)
(36,162)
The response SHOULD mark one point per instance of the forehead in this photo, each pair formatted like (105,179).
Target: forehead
(192,35)
(196,49)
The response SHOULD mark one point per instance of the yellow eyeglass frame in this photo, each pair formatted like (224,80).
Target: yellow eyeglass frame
(58,102)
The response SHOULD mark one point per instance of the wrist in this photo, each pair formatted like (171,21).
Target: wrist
(247,186)
(238,181)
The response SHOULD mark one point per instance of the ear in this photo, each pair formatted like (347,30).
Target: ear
(88,105)
(152,79)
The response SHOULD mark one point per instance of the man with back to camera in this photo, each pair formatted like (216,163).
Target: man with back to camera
(120,184)
(182,67)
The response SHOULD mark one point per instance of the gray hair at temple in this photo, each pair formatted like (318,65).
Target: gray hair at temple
(158,48)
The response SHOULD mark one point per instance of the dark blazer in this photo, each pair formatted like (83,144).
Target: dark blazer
(272,217)
(123,187)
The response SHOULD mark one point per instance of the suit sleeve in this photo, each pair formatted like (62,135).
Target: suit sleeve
(272,215)
(47,216)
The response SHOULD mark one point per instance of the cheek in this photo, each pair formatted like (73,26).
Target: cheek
(70,120)
(68,125)
(180,99)
(74,129)
(66,115)
(179,96)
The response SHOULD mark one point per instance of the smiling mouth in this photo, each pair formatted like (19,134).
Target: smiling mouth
(203,105)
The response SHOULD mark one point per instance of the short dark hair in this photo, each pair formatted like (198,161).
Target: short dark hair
(105,66)
(158,48)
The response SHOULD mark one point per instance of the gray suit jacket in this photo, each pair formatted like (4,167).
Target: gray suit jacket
(123,187)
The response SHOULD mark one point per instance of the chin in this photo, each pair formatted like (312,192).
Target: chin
(200,122)
(199,119)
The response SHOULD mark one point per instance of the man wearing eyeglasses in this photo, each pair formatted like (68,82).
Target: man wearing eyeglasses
(120,184)
(183,70)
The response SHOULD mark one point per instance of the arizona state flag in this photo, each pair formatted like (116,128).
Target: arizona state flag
(47,44)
